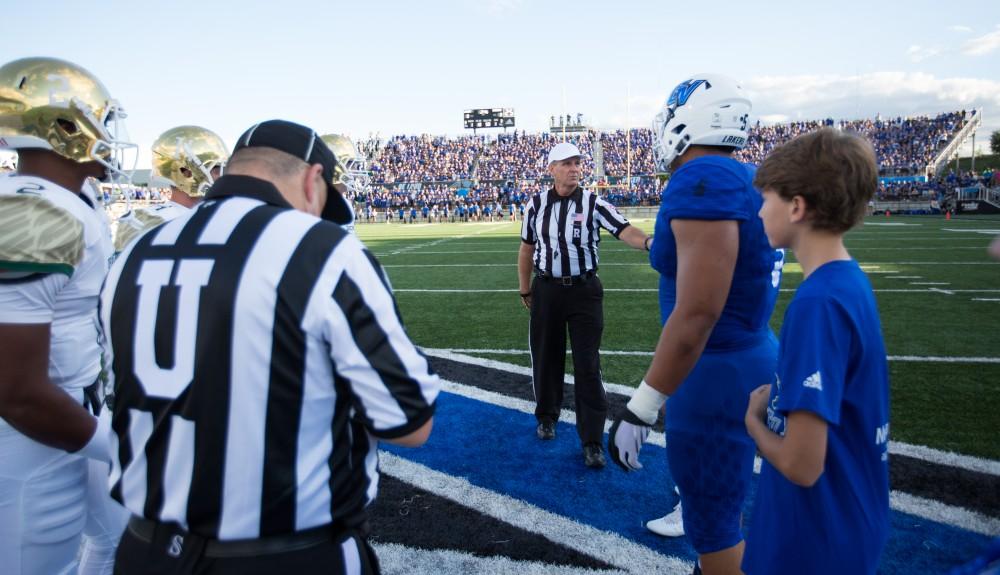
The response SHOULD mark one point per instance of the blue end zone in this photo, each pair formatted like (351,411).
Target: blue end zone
(495,448)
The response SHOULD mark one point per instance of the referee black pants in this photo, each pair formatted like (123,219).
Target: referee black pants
(580,308)
(170,551)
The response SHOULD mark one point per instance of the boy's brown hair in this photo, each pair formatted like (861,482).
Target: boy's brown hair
(834,171)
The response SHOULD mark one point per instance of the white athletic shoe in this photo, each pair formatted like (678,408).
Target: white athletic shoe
(670,525)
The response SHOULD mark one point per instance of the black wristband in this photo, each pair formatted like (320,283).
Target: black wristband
(645,244)
(526,294)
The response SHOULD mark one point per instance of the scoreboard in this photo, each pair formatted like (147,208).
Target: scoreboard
(489,118)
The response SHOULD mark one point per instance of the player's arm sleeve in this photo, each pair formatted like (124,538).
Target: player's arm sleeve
(37,236)
(706,194)
(815,352)
(609,218)
(528,225)
(32,300)
(392,385)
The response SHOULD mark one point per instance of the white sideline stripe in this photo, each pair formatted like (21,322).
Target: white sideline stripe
(605,546)
(633,290)
(455,353)
(646,264)
(524,406)
(985,299)
(967,462)
(943,513)
(951,459)
(630,250)
(906,277)
(398,559)
(930,283)
(899,501)
(459,356)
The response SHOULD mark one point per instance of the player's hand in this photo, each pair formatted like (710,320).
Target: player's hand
(625,439)
(526,300)
(757,407)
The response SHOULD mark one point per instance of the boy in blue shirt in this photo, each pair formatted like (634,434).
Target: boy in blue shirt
(823,499)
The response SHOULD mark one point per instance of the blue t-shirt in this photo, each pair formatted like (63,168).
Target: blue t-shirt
(720,188)
(831,362)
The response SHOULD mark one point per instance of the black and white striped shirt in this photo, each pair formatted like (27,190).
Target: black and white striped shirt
(566,230)
(257,355)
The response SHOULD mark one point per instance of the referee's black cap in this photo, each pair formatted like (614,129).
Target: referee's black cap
(304,143)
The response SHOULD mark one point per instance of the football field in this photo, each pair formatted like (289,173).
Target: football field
(484,490)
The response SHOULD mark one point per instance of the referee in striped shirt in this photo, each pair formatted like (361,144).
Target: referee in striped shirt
(557,277)
(257,358)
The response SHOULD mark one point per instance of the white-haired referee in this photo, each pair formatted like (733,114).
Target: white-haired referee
(257,360)
(557,278)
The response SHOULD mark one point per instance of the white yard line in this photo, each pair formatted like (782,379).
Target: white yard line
(943,513)
(985,299)
(604,545)
(646,264)
(632,290)
(450,353)
(410,248)
(511,510)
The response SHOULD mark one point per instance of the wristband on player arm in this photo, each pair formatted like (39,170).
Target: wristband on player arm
(646,403)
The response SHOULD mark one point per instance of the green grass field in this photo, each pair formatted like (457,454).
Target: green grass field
(938,293)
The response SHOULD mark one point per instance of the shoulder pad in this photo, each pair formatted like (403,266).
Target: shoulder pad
(37,236)
(133,224)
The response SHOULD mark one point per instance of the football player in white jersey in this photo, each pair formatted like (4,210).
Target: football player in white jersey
(189,158)
(355,175)
(54,252)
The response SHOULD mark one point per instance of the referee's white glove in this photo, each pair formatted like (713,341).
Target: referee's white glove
(632,425)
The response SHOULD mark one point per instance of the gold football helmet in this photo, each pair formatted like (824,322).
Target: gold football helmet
(355,174)
(186,155)
(56,105)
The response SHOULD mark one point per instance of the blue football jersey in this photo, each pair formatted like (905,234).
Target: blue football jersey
(720,188)
(831,362)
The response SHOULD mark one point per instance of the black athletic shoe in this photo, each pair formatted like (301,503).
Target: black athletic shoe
(546,430)
(593,455)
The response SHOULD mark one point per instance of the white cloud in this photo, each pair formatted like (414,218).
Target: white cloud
(921,53)
(960,29)
(982,45)
(887,93)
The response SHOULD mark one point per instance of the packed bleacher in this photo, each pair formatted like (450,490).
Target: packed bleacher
(500,172)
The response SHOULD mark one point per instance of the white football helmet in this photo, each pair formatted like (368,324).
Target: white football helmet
(705,110)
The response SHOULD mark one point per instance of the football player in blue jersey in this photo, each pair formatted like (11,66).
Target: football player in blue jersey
(822,503)
(718,285)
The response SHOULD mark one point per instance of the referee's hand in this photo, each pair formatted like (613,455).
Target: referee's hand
(526,300)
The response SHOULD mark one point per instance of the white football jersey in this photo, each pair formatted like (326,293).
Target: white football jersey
(54,254)
(138,221)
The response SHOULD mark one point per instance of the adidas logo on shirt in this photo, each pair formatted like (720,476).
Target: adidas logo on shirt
(814,381)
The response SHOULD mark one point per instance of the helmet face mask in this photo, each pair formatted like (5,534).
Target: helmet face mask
(186,156)
(706,110)
(54,105)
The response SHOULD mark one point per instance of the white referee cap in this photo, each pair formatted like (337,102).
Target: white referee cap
(562,151)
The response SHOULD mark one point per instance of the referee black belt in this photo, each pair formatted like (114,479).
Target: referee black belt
(566,280)
(145,529)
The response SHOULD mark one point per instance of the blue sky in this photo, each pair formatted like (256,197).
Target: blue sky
(393,67)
